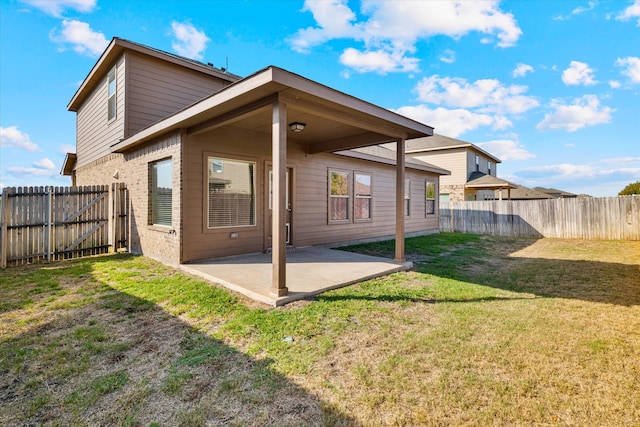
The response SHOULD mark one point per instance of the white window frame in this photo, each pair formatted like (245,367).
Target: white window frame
(112,97)
(427,199)
(153,180)
(341,196)
(407,197)
(216,165)
(357,196)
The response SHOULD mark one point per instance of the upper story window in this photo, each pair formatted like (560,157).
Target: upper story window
(488,168)
(111,100)
(477,163)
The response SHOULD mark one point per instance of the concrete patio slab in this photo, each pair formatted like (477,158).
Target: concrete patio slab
(310,271)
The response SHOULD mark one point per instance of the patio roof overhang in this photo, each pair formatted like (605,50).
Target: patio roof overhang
(334,120)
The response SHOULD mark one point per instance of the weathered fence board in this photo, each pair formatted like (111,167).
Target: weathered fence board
(53,223)
(607,218)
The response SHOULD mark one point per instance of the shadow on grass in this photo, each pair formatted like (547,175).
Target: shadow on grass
(104,357)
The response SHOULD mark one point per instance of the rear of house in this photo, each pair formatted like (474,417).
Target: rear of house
(208,157)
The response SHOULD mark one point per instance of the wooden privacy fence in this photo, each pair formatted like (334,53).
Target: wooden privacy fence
(607,218)
(53,223)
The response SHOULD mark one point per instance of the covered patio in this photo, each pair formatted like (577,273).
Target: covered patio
(309,271)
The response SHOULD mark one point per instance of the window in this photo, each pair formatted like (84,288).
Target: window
(231,193)
(477,163)
(444,198)
(160,192)
(407,196)
(489,168)
(362,200)
(338,195)
(111,102)
(430,198)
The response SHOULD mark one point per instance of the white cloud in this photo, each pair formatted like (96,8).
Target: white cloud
(577,11)
(394,27)
(570,145)
(12,137)
(570,171)
(631,67)
(488,95)
(448,56)
(521,70)
(578,73)
(334,19)
(453,122)
(67,148)
(43,167)
(619,160)
(189,41)
(57,7)
(614,84)
(83,39)
(378,61)
(631,12)
(506,149)
(585,111)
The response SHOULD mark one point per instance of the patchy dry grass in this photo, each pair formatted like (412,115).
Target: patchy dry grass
(485,331)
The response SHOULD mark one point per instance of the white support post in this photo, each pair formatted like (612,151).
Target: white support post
(400,177)
(278,239)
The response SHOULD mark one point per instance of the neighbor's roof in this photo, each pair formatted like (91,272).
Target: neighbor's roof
(68,164)
(442,143)
(520,192)
(554,192)
(380,154)
(482,180)
(113,52)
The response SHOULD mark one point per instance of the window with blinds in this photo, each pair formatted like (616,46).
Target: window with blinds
(231,193)
(160,192)
(362,196)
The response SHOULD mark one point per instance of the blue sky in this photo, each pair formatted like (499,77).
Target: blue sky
(550,87)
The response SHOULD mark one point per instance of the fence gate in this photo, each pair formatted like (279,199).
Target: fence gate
(53,223)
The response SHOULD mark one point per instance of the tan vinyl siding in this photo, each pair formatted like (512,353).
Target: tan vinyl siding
(157,89)
(310,198)
(95,133)
(454,160)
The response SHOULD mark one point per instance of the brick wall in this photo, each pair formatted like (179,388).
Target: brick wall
(159,242)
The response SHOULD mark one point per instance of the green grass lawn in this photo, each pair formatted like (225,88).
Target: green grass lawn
(484,331)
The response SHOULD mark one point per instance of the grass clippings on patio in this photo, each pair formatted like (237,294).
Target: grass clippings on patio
(486,330)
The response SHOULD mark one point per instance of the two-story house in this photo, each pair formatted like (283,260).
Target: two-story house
(218,165)
(473,170)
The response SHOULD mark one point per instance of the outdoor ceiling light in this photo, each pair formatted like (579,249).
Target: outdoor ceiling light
(297,126)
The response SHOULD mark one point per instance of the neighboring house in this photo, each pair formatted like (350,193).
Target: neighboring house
(556,194)
(218,165)
(473,170)
(520,192)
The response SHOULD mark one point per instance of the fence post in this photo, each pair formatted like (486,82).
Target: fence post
(4,217)
(49,213)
